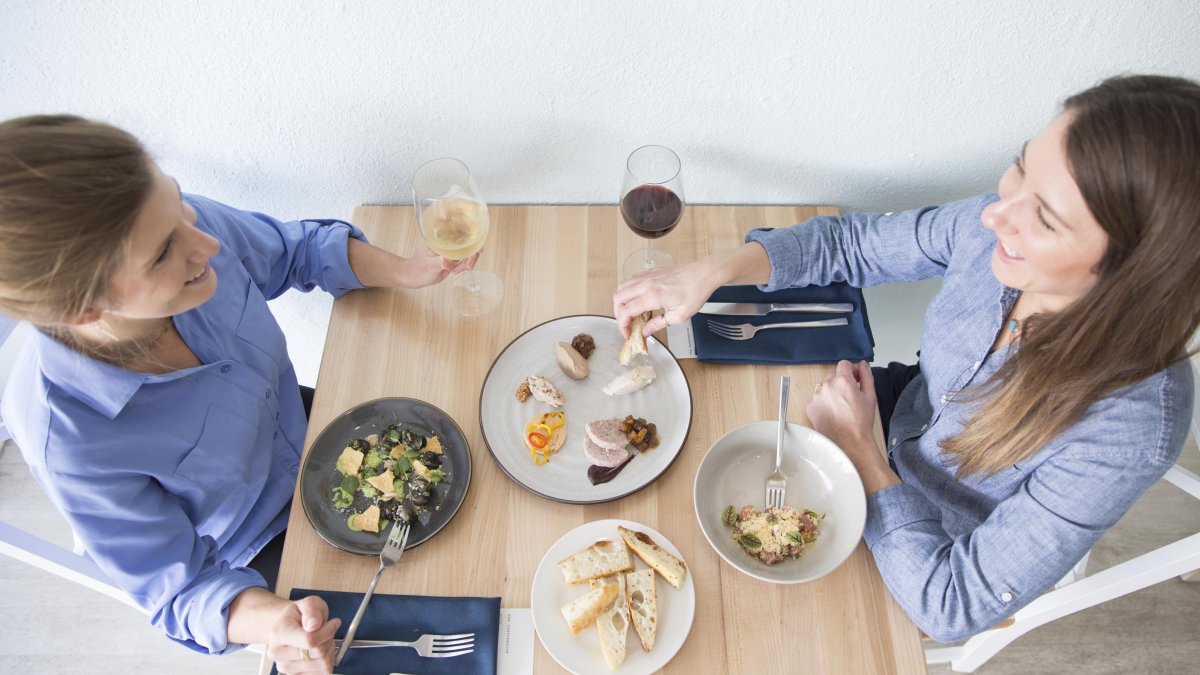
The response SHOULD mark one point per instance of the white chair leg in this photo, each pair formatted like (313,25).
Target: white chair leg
(1194,575)
(1145,570)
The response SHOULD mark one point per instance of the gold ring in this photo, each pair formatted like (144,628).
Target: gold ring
(818,387)
(304,654)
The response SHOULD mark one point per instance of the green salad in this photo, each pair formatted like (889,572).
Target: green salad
(382,472)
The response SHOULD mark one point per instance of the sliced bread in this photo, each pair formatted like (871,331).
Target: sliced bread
(613,622)
(636,343)
(582,611)
(671,568)
(601,559)
(643,605)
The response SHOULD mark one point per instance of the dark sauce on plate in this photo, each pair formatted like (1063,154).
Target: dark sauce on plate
(599,475)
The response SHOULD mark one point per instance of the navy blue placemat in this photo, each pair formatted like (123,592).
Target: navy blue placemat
(782,346)
(407,617)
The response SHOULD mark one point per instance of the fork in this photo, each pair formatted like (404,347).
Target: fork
(776,483)
(396,540)
(745,331)
(428,645)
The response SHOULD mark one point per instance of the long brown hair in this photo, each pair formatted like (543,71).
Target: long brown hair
(70,191)
(1133,148)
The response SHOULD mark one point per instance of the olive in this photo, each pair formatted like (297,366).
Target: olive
(389,509)
(405,514)
(417,442)
(419,491)
(386,444)
(360,444)
(431,460)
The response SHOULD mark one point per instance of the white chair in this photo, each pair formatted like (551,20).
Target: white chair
(1172,560)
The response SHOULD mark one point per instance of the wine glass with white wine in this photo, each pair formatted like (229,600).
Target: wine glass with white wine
(454,222)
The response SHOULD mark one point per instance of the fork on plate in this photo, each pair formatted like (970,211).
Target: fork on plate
(745,331)
(776,482)
(390,554)
(429,646)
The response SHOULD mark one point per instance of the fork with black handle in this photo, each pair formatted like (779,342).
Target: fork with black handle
(387,557)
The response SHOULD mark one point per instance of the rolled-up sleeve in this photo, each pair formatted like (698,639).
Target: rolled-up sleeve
(142,539)
(867,249)
(955,587)
(300,254)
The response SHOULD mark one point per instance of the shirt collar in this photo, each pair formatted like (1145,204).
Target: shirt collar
(102,386)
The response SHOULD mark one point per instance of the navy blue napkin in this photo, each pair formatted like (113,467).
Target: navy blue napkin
(407,617)
(782,346)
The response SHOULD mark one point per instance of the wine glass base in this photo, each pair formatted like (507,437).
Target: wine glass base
(476,293)
(644,260)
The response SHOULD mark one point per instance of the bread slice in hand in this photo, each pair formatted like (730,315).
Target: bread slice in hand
(613,622)
(670,567)
(582,611)
(636,343)
(643,605)
(601,559)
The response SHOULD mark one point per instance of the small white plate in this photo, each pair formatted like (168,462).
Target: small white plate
(819,477)
(667,402)
(581,653)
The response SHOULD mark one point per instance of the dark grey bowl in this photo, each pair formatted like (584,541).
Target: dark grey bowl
(320,475)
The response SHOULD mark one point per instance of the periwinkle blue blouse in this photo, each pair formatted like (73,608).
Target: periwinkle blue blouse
(960,556)
(174,482)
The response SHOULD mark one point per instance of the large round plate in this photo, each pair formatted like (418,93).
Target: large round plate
(819,476)
(581,653)
(667,402)
(320,474)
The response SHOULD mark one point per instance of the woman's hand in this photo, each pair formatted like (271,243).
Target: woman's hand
(843,408)
(301,639)
(678,290)
(425,268)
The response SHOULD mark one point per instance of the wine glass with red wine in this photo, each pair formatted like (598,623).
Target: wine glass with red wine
(651,203)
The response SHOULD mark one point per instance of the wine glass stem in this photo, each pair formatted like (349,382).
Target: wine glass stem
(473,286)
(649,264)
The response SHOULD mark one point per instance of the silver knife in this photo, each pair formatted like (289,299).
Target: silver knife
(763,308)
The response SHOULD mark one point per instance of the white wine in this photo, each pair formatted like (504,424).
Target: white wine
(455,228)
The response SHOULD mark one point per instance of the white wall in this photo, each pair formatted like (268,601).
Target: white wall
(309,108)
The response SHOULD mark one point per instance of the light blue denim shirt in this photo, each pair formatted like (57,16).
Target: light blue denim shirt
(960,556)
(174,482)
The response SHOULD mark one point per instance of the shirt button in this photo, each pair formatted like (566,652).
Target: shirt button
(1006,596)
(945,398)
(275,435)
(295,470)
(976,366)
(276,417)
(225,368)
(924,427)
(268,393)
(894,441)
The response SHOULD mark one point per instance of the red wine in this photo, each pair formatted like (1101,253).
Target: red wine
(651,210)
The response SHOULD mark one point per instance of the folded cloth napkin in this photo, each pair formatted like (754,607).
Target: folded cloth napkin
(408,617)
(788,345)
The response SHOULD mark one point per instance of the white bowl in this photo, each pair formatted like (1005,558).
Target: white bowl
(819,477)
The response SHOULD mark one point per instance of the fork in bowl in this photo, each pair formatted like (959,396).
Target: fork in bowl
(387,557)
(745,331)
(429,646)
(776,482)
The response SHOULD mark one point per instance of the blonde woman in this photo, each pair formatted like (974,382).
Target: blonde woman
(1053,387)
(156,405)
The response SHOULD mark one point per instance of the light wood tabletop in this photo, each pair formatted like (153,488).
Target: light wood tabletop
(557,261)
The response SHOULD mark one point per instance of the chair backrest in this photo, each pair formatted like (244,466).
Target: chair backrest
(29,548)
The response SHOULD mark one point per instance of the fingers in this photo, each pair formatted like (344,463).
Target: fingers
(655,324)
(313,612)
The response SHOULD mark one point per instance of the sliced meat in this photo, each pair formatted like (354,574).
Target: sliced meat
(607,434)
(600,456)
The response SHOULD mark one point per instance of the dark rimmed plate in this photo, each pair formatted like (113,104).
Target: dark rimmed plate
(320,475)
(667,402)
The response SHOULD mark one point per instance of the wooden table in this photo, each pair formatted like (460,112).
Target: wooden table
(556,261)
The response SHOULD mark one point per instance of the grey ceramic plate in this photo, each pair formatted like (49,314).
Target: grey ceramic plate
(320,475)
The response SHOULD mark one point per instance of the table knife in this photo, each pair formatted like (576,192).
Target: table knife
(763,308)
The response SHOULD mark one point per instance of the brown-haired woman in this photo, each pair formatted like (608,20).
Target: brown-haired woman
(156,404)
(1053,386)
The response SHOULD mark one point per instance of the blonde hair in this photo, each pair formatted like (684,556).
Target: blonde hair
(70,191)
(1132,149)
